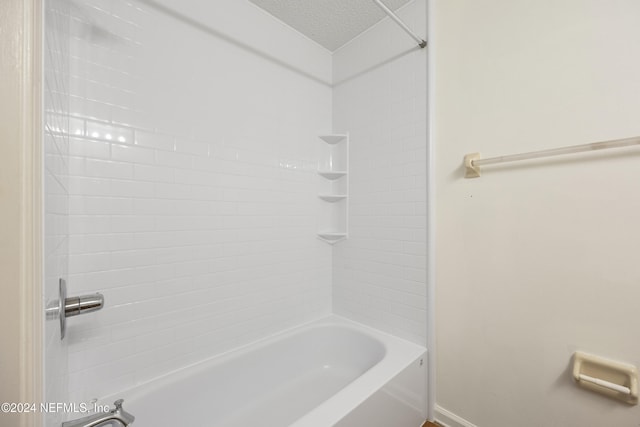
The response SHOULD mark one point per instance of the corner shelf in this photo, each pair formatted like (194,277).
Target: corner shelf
(333,169)
(334,138)
(332,238)
(332,198)
(332,174)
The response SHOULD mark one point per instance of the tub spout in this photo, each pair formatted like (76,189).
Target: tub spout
(116,415)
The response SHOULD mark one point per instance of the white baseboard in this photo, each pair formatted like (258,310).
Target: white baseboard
(449,419)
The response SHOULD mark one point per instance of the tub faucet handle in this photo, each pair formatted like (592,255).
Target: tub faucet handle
(118,404)
(125,417)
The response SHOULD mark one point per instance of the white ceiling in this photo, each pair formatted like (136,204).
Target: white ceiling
(331,23)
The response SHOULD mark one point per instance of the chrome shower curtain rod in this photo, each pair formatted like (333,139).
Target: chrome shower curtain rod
(422,43)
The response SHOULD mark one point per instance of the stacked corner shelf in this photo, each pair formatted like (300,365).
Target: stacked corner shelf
(333,169)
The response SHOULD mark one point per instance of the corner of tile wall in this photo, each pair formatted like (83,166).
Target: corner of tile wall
(380,97)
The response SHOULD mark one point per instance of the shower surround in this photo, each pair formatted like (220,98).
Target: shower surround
(193,189)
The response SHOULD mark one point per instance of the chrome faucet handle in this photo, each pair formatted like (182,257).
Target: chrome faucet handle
(118,404)
(122,413)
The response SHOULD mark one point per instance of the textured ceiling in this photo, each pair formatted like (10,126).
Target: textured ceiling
(331,23)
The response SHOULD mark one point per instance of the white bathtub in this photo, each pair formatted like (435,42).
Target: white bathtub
(331,372)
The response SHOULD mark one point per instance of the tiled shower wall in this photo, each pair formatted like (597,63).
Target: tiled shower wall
(380,97)
(56,201)
(192,193)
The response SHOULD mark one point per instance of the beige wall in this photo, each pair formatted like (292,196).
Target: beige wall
(536,260)
(10,214)
(20,301)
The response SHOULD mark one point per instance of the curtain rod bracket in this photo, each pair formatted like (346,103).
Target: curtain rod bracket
(471,170)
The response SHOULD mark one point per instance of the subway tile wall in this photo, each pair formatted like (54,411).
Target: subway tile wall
(192,195)
(380,97)
(56,195)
